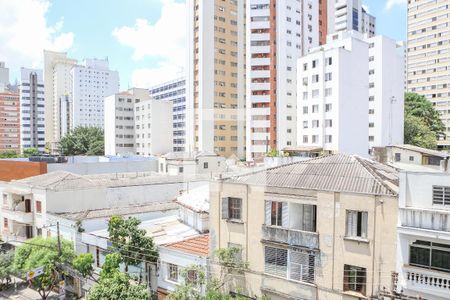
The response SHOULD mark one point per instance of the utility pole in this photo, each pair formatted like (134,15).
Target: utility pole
(59,239)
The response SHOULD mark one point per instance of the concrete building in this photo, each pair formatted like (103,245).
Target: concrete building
(58,91)
(32,110)
(92,82)
(153,126)
(278,33)
(346,15)
(428,56)
(9,120)
(174,91)
(215,86)
(423,251)
(334,78)
(27,202)
(135,123)
(4,76)
(176,163)
(318,229)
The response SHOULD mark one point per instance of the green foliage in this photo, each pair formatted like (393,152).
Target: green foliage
(83,141)
(8,154)
(422,122)
(111,265)
(6,267)
(30,152)
(43,252)
(83,264)
(118,286)
(130,241)
(230,260)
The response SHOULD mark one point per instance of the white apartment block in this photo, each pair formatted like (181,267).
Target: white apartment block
(346,15)
(174,91)
(215,86)
(135,123)
(32,110)
(429,56)
(4,76)
(423,241)
(350,94)
(92,82)
(278,33)
(153,127)
(58,91)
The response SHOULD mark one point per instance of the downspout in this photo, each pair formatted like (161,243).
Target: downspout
(374,237)
(334,240)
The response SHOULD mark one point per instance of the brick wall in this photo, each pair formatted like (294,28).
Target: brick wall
(11,170)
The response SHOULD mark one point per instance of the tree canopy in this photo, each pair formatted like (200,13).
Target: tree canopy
(43,252)
(423,124)
(83,141)
(83,263)
(6,266)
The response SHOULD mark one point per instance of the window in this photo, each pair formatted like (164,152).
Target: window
(441,195)
(355,279)
(231,208)
(411,158)
(430,255)
(328,76)
(180,170)
(398,156)
(38,207)
(275,261)
(328,107)
(172,272)
(205,165)
(192,277)
(356,224)
(5,223)
(275,212)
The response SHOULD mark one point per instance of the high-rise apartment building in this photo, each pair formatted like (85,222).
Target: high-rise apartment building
(216,77)
(350,94)
(58,90)
(9,121)
(4,76)
(32,109)
(174,91)
(278,33)
(345,15)
(135,123)
(92,82)
(428,56)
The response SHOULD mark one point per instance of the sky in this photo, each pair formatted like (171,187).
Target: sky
(143,39)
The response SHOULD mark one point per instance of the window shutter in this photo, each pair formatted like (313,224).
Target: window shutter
(364,225)
(350,223)
(284,214)
(225,210)
(268,212)
(307,217)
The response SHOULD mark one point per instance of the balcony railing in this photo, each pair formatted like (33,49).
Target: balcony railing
(291,237)
(425,219)
(18,215)
(427,281)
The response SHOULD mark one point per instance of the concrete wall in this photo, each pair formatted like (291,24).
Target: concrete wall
(106,167)
(13,170)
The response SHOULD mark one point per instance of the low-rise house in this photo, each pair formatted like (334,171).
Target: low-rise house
(26,202)
(423,252)
(324,228)
(177,163)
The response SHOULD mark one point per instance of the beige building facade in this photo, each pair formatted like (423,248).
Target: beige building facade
(319,229)
(428,58)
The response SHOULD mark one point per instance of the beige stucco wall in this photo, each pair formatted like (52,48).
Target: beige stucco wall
(334,252)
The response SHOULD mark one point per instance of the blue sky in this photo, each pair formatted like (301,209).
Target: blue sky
(143,39)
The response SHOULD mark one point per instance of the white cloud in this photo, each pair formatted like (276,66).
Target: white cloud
(163,40)
(24,33)
(391,3)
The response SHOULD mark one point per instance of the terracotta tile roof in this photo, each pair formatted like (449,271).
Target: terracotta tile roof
(198,245)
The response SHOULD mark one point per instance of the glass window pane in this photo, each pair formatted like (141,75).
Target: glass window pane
(419,256)
(440,259)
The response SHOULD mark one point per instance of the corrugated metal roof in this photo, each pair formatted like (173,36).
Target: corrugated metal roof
(339,172)
(422,150)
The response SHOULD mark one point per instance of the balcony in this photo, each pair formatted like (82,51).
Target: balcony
(18,215)
(292,237)
(425,219)
(427,281)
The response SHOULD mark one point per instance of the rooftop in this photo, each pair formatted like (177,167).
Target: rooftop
(198,245)
(196,199)
(118,211)
(63,180)
(337,173)
(187,155)
(422,150)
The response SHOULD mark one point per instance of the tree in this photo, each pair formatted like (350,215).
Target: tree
(116,285)
(83,141)
(43,252)
(8,154)
(421,120)
(83,263)
(30,152)
(6,267)
(131,242)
